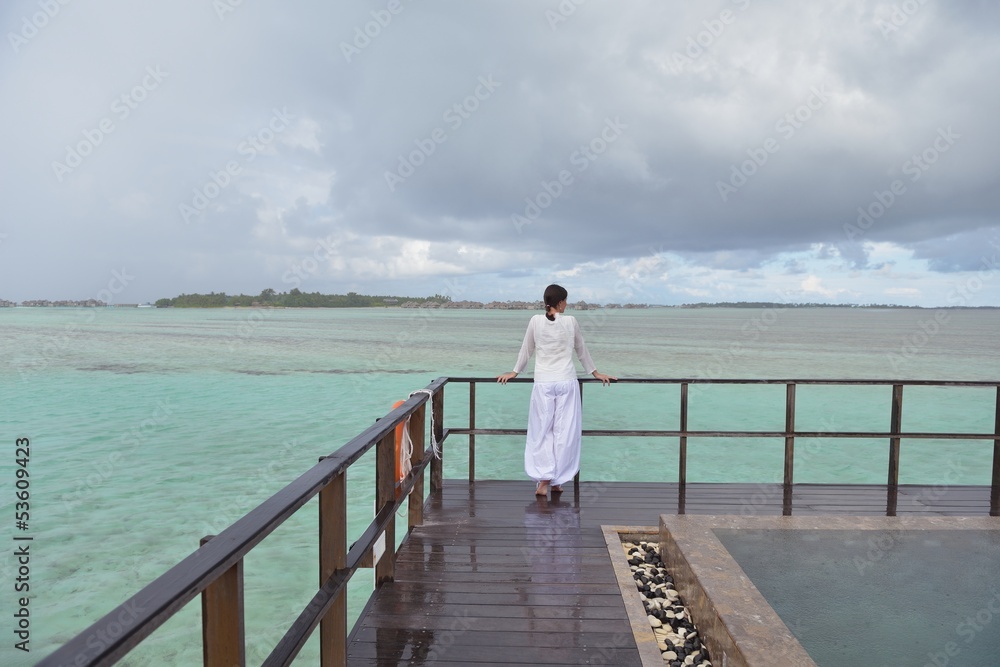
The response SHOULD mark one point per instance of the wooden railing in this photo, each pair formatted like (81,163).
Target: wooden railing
(215,570)
(894,435)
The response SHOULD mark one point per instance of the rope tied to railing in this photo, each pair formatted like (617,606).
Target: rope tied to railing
(407,443)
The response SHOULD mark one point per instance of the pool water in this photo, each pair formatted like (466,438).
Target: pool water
(879,597)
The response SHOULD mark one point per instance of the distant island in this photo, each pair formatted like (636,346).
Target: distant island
(298,299)
(68,303)
(269,298)
(776,304)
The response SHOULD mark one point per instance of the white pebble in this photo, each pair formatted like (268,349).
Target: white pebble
(669,638)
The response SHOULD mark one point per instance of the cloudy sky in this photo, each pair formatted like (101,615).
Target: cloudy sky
(662,152)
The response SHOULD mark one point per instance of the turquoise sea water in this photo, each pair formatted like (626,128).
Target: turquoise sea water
(152,428)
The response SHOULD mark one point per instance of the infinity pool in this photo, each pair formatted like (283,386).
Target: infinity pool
(880,591)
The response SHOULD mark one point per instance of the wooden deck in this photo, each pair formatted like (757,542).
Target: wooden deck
(497,577)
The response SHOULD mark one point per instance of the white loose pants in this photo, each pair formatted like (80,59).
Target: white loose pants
(552,450)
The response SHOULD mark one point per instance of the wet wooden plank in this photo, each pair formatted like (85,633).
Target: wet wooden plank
(450,659)
(576,607)
(516,625)
(407,570)
(382,653)
(570,562)
(513,577)
(496,572)
(593,640)
(526,588)
(498,550)
(424,595)
(567,536)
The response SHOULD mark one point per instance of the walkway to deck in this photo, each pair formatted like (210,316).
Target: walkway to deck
(496,577)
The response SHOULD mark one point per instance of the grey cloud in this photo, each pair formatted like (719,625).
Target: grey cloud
(688,126)
(969,251)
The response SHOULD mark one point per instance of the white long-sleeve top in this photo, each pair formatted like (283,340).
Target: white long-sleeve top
(553,343)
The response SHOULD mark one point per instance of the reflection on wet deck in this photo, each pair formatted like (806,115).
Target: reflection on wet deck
(497,577)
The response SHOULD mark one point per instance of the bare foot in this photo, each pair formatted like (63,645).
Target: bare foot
(557,488)
(542,489)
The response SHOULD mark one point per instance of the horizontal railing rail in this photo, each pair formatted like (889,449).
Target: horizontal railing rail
(740,434)
(748,381)
(215,570)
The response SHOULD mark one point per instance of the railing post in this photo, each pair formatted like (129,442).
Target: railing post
(222,630)
(682,453)
(682,463)
(895,427)
(789,449)
(415,503)
(437,417)
(385,494)
(472,436)
(995,486)
(332,557)
(576,477)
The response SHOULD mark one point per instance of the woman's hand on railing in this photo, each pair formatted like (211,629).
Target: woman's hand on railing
(502,379)
(605,379)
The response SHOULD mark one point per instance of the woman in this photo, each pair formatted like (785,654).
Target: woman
(552,450)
